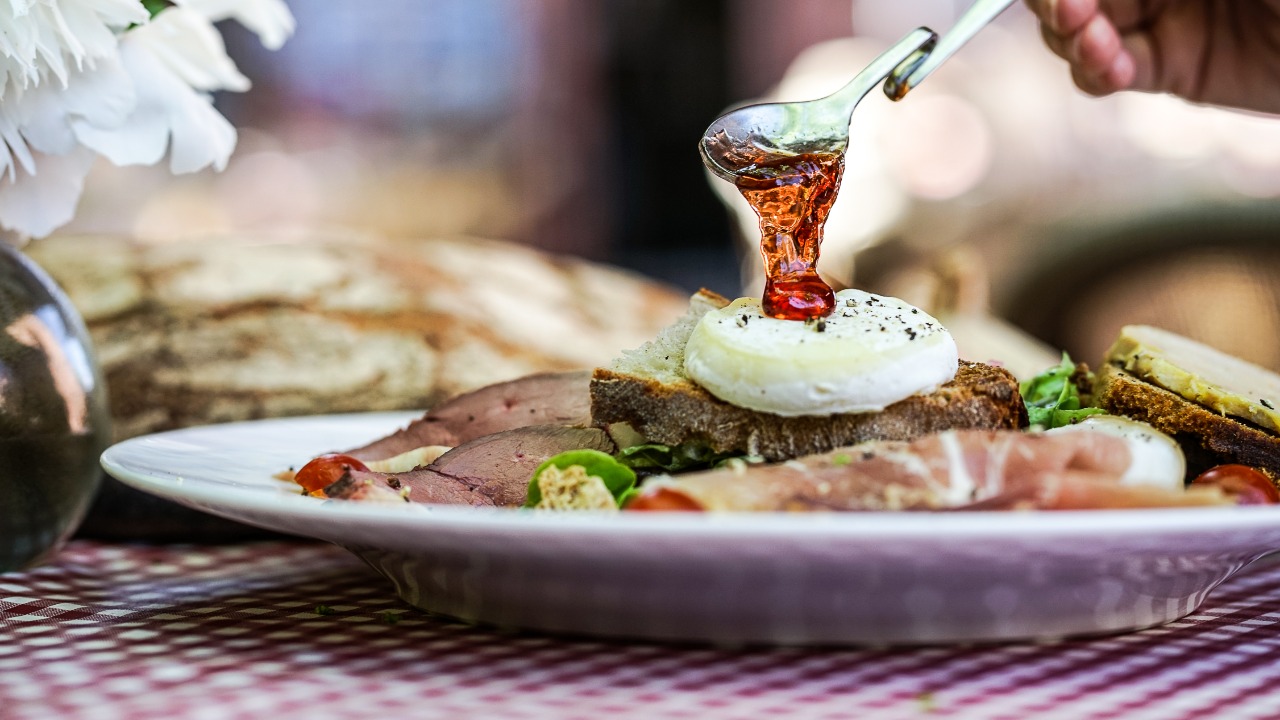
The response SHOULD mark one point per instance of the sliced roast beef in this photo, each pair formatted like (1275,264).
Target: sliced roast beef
(544,399)
(500,465)
(420,485)
(364,486)
(491,470)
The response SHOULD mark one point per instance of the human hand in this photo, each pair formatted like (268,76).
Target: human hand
(1223,52)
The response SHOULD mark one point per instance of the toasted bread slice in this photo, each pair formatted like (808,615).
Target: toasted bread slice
(648,391)
(1199,373)
(1207,437)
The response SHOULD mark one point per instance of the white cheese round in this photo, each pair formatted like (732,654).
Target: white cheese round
(1156,459)
(872,351)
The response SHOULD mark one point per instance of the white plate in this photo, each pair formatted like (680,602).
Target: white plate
(794,579)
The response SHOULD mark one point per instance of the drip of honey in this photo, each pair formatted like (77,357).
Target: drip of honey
(793,196)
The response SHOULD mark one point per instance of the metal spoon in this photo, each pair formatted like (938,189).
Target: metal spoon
(906,76)
(755,134)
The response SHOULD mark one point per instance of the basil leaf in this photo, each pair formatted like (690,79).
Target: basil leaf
(668,458)
(619,478)
(646,457)
(1052,399)
(626,496)
(1052,418)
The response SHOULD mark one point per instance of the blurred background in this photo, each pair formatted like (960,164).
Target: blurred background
(995,190)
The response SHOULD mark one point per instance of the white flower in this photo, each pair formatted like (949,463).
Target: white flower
(270,20)
(99,77)
(39,37)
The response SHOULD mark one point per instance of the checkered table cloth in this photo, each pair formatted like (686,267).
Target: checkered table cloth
(288,630)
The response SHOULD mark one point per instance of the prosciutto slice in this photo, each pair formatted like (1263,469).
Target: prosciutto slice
(954,470)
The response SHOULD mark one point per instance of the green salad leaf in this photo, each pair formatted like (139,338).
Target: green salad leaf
(1052,398)
(653,457)
(619,472)
(620,479)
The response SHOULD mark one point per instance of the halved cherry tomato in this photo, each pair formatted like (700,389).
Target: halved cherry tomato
(1249,486)
(325,471)
(661,499)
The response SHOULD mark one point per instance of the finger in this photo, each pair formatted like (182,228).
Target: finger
(1118,76)
(1145,65)
(1128,15)
(1122,73)
(1063,17)
(1067,17)
(1094,50)
(1058,44)
(1096,85)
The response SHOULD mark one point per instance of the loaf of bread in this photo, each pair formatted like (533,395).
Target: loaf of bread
(648,391)
(228,329)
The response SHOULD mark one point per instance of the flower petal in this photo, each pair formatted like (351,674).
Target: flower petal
(16,153)
(100,97)
(37,204)
(168,115)
(270,20)
(201,137)
(44,41)
(42,120)
(103,96)
(188,44)
(73,82)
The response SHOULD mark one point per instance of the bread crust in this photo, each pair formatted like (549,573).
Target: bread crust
(1207,438)
(979,397)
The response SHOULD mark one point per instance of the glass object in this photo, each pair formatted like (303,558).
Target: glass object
(54,420)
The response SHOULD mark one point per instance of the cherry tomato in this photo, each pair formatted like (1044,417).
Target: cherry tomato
(325,471)
(1249,486)
(663,500)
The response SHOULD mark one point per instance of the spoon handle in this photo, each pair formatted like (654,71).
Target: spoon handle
(903,52)
(824,123)
(911,72)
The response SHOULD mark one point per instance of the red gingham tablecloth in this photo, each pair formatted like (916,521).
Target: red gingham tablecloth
(287,630)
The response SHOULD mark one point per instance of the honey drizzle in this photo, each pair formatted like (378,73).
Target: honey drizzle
(792,196)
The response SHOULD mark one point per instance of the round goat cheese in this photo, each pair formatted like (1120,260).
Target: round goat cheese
(872,351)
(1156,458)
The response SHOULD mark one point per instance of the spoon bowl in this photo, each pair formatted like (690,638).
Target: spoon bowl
(750,136)
(756,134)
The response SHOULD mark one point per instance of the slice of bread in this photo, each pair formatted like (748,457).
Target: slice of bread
(1199,373)
(1207,437)
(648,391)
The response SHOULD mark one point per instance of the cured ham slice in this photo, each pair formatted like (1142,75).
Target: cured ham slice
(544,399)
(955,470)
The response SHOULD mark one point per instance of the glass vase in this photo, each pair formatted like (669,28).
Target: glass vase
(54,420)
